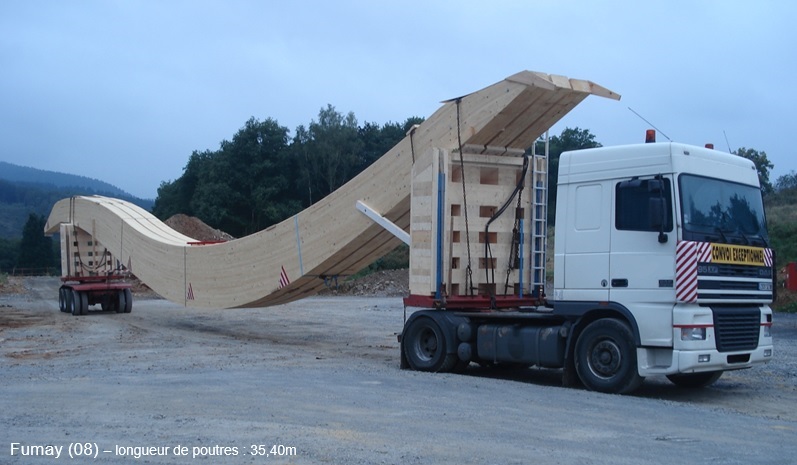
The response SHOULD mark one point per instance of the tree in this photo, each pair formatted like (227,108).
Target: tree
(241,188)
(35,249)
(570,139)
(377,140)
(786,182)
(258,178)
(762,166)
(8,254)
(331,152)
(175,196)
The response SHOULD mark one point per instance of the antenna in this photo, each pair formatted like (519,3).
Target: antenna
(726,141)
(651,124)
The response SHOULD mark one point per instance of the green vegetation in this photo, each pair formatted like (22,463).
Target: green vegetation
(35,249)
(397,259)
(261,176)
(782,225)
(790,307)
(24,190)
(8,254)
(34,253)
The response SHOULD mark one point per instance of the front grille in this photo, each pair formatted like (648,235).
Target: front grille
(735,298)
(733,271)
(744,271)
(736,328)
(728,285)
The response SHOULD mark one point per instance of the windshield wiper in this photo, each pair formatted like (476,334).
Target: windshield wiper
(762,239)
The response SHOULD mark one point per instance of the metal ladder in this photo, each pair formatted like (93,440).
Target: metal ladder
(539,217)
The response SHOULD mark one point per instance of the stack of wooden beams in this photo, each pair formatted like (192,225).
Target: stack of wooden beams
(295,258)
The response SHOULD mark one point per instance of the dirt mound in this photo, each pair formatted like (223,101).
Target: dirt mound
(196,228)
(385,283)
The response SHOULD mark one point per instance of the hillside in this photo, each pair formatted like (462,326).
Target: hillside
(26,190)
(33,176)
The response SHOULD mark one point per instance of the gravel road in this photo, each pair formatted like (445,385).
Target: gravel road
(320,380)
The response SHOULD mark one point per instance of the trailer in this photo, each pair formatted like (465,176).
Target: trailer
(110,292)
(90,275)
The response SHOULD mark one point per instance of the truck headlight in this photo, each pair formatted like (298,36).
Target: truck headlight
(693,334)
(767,331)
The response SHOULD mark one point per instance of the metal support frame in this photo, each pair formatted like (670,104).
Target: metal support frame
(388,225)
(441,206)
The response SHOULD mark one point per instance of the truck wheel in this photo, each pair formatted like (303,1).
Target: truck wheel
(84,303)
(606,357)
(128,301)
(62,304)
(425,347)
(73,300)
(119,301)
(695,380)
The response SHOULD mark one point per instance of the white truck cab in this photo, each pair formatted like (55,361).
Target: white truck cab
(672,239)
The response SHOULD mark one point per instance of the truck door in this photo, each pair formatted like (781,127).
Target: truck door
(642,262)
(582,255)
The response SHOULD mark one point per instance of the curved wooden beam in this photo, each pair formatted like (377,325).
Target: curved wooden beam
(331,238)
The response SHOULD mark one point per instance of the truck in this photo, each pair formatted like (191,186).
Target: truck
(661,263)
(661,266)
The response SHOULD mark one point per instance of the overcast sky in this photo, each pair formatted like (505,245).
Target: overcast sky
(124,91)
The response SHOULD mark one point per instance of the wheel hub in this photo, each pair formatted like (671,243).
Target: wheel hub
(605,359)
(427,344)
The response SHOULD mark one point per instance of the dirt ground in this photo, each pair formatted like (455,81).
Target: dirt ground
(318,382)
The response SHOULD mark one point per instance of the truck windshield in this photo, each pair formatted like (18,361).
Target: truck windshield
(722,211)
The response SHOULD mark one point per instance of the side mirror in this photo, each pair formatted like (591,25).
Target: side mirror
(658,216)
(656,210)
(655,185)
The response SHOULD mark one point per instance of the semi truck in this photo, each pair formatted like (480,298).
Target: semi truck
(661,261)
(661,266)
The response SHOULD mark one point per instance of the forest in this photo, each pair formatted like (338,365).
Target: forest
(263,176)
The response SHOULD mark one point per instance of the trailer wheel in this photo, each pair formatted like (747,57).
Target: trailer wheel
(128,300)
(74,302)
(62,300)
(425,347)
(119,301)
(605,357)
(695,380)
(84,303)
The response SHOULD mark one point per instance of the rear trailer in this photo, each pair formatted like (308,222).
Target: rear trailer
(91,275)
(111,293)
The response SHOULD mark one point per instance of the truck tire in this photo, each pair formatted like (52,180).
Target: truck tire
(425,347)
(84,303)
(62,301)
(605,357)
(128,300)
(119,301)
(74,301)
(695,380)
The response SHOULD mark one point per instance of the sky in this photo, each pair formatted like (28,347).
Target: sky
(125,91)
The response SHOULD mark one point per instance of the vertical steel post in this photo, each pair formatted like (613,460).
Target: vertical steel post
(441,202)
